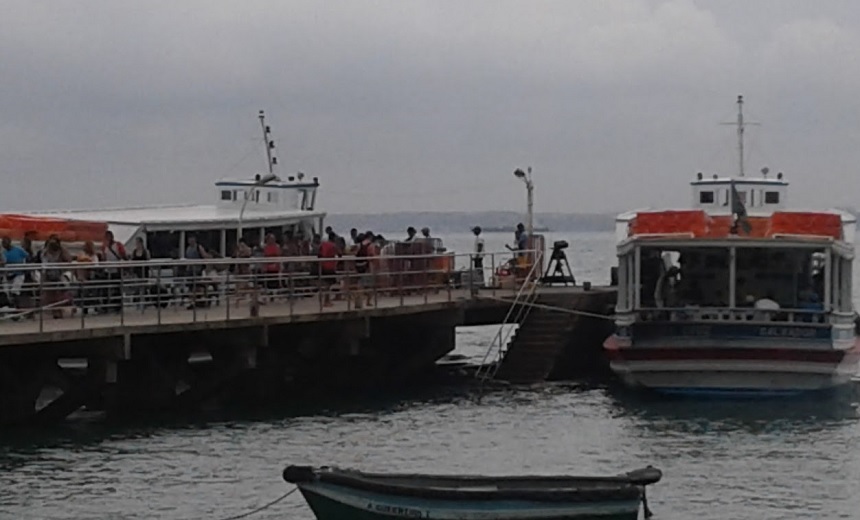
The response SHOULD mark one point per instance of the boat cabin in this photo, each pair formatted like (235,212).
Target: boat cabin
(737,255)
(250,208)
(758,195)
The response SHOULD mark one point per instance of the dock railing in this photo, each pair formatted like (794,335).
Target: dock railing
(84,294)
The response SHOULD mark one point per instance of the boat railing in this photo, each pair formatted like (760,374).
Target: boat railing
(162,291)
(517,314)
(736,314)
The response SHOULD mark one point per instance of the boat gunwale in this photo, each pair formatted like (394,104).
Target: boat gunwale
(578,489)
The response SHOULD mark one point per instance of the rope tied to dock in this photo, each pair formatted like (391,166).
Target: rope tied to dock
(555,308)
(263,507)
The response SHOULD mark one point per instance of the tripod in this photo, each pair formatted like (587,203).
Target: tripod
(557,265)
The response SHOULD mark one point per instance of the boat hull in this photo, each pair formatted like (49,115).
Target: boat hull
(775,370)
(333,502)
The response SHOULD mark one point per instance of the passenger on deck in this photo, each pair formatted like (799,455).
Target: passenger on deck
(364,271)
(54,292)
(327,269)
(13,281)
(410,234)
(194,273)
(272,271)
(113,251)
(87,294)
(765,308)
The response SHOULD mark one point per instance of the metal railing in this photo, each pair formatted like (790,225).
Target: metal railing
(732,314)
(517,314)
(84,294)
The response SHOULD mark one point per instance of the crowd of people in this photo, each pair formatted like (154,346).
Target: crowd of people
(23,287)
(91,288)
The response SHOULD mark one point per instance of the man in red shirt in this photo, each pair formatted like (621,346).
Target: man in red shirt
(327,266)
(272,272)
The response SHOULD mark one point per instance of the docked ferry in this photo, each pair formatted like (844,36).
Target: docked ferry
(246,208)
(738,294)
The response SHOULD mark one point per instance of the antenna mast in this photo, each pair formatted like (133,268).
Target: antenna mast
(741,125)
(741,135)
(270,144)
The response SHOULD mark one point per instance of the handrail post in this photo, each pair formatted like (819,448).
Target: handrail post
(291,296)
(320,296)
(425,278)
(254,310)
(82,295)
(374,279)
(158,295)
(42,276)
(192,285)
(401,264)
(226,293)
(448,262)
(121,297)
(493,272)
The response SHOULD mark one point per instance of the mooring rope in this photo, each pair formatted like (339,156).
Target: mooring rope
(263,507)
(555,308)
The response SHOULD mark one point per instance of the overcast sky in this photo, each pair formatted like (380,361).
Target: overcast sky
(408,105)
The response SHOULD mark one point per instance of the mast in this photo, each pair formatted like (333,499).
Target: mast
(741,126)
(268,142)
(741,136)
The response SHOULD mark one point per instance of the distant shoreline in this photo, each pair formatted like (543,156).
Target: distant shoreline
(489,221)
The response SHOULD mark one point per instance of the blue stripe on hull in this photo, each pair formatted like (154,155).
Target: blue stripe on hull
(730,392)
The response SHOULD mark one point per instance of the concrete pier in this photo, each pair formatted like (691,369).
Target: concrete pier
(173,358)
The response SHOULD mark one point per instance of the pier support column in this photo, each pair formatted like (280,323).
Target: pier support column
(148,381)
(20,386)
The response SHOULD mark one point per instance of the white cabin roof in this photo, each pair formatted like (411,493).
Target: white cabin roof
(185,216)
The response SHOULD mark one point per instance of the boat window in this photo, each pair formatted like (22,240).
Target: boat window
(226,195)
(272,197)
(771,197)
(706,197)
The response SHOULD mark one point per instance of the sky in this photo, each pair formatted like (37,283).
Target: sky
(425,105)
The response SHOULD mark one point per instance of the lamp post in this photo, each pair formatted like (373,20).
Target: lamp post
(527,178)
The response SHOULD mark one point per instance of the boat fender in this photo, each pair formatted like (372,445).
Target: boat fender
(297,474)
(645,476)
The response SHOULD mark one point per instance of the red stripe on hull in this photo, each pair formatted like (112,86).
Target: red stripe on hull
(740,354)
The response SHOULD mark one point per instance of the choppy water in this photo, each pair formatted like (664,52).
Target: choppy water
(763,460)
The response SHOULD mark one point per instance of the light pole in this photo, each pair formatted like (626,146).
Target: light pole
(527,178)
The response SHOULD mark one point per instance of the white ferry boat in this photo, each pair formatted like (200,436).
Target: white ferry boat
(248,208)
(736,295)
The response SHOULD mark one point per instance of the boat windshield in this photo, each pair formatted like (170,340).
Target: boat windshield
(807,280)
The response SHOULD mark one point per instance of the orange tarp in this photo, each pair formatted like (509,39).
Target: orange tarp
(668,222)
(700,224)
(16,226)
(806,223)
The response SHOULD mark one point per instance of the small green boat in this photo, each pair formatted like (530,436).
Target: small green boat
(341,494)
